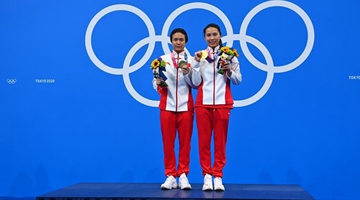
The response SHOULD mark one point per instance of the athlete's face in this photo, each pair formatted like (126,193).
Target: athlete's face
(212,37)
(178,42)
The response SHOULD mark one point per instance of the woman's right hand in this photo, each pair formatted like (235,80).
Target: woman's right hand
(158,81)
(198,56)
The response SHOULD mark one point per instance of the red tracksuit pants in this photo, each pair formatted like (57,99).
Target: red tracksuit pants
(172,123)
(211,120)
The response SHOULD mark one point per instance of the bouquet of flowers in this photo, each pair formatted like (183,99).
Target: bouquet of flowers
(158,67)
(226,54)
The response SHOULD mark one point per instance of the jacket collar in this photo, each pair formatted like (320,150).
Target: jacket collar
(211,50)
(181,54)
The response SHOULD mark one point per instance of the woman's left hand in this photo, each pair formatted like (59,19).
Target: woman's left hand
(226,67)
(185,70)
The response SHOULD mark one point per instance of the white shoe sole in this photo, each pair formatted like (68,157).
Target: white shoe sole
(219,189)
(186,188)
(207,188)
(166,188)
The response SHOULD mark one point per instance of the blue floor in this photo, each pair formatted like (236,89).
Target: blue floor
(130,191)
(16,198)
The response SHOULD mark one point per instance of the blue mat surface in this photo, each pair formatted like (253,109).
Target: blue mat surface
(114,191)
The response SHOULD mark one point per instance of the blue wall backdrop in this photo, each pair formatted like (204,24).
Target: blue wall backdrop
(77,104)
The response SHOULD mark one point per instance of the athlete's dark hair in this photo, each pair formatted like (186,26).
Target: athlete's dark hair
(179,30)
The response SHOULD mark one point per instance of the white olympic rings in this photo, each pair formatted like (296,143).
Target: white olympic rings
(11,81)
(229,39)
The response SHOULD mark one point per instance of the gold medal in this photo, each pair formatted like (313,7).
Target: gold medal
(204,54)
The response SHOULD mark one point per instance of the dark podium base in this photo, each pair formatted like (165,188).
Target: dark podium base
(144,191)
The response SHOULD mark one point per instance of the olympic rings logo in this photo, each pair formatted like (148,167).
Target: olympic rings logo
(269,67)
(11,81)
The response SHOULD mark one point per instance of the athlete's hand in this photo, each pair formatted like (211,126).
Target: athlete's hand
(158,81)
(198,56)
(185,70)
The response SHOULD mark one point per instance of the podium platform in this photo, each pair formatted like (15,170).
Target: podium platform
(152,191)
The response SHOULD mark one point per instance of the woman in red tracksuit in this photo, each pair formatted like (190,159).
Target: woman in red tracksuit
(176,111)
(213,104)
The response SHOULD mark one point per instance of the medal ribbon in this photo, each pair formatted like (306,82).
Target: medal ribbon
(174,61)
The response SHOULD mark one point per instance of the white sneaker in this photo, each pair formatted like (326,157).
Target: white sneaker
(218,184)
(207,182)
(169,184)
(184,182)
